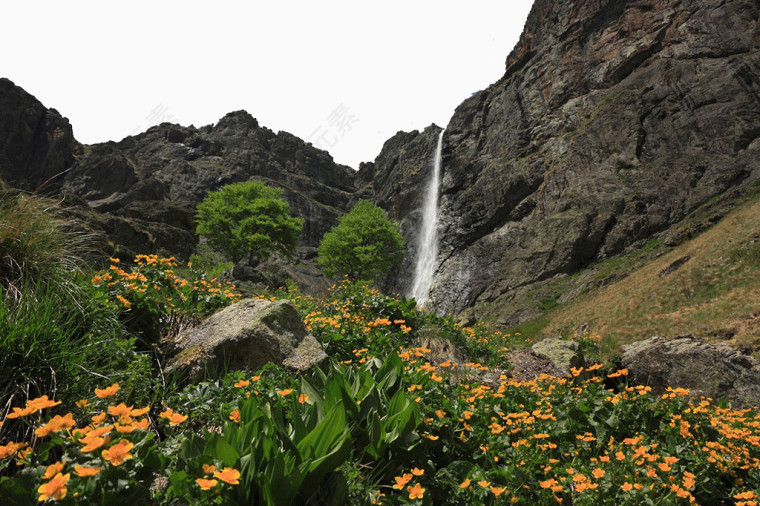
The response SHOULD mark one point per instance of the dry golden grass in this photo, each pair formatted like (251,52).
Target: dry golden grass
(715,295)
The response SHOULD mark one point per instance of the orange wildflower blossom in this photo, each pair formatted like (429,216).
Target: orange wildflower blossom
(465,483)
(118,453)
(173,417)
(401,481)
(416,491)
(107,392)
(206,484)
(228,475)
(56,424)
(9,449)
(119,410)
(209,469)
(303,398)
(41,403)
(235,415)
(85,472)
(285,392)
(55,488)
(242,383)
(52,470)
(418,472)
(82,403)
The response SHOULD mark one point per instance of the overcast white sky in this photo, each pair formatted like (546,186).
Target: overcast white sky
(346,75)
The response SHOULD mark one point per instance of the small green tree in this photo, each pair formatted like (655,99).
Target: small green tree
(364,244)
(248,218)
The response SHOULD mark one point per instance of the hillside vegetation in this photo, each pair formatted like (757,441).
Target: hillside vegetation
(706,286)
(389,418)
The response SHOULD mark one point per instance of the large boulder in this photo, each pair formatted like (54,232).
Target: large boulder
(561,353)
(246,335)
(716,371)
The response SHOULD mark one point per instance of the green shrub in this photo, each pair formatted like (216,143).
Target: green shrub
(248,219)
(363,246)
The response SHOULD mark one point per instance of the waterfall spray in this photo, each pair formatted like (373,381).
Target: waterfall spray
(427,245)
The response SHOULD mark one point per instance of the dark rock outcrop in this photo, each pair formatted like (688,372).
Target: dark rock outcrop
(37,145)
(715,371)
(612,121)
(246,335)
(159,176)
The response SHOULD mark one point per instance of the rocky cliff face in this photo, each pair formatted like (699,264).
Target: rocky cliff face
(37,145)
(612,121)
(145,188)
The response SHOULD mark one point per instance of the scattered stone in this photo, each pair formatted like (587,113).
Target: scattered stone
(246,335)
(670,269)
(562,354)
(717,371)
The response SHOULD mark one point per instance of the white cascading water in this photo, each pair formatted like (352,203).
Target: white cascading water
(427,245)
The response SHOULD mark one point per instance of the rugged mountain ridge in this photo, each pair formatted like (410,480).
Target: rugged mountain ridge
(612,121)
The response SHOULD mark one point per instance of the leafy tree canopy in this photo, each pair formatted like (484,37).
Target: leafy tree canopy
(248,218)
(363,246)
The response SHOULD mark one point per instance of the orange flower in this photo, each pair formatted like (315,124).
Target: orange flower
(497,491)
(120,410)
(92,443)
(84,472)
(41,403)
(418,472)
(82,403)
(598,473)
(56,424)
(20,413)
(626,486)
(228,475)
(52,470)
(55,488)
(9,449)
(465,483)
(303,398)
(140,412)
(99,418)
(285,392)
(255,378)
(484,483)
(107,392)
(235,415)
(242,383)
(401,481)
(206,484)
(209,469)
(416,491)
(118,453)
(173,417)
(688,479)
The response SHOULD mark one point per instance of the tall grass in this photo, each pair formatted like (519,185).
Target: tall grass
(37,245)
(56,337)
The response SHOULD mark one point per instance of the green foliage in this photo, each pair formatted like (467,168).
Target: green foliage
(248,219)
(35,244)
(150,296)
(363,246)
(61,341)
(209,261)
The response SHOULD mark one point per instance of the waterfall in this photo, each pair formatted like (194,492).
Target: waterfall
(427,245)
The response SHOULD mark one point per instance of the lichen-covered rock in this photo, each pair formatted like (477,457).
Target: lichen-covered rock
(246,335)
(716,371)
(563,354)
